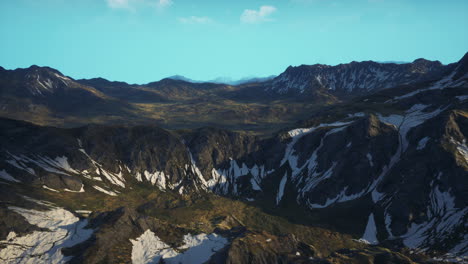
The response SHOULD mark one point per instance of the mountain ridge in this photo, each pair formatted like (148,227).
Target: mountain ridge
(183,78)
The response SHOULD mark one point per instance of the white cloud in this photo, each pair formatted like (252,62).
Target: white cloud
(253,16)
(163,3)
(119,3)
(133,4)
(195,20)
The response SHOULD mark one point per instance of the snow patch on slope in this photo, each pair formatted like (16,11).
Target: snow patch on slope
(341,197)
(224,181)
(422,143)
(290,154)
(157,178)
(192,167)
(413,117)
(63,229)
(369,157)
(111,193)
(461,248)
(80,191)
(197,249)
(19,163)
(298,133)
(443,217)
(444,83)
(370,234)
(462,148)
(58,165)
(49,189)
(4,175)
(281,188)
(114,178)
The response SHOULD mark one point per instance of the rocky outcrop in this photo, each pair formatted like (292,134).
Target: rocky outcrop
(213,147)
(265,248)
(112,233)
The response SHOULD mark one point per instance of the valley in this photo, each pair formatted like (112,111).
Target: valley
(45,96)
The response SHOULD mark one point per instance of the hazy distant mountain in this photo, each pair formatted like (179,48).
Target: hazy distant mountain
(182,78)
(396,62)
(226,80)
(243,80)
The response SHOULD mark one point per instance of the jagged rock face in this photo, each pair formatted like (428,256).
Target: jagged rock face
(354,78)
(213,148)
(133,147)
(63,159)
(424,198)
(355,153)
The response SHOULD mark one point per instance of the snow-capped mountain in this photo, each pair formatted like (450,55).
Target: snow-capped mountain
(40,82)
(355,77)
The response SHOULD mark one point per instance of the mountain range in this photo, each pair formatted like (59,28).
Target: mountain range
(44,96)
(356,163)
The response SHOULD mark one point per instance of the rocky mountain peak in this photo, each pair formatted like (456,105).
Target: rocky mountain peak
(423,61)
(43,70)
(35,80)
(168,82)
(461,68)
(100,82)
(423,66)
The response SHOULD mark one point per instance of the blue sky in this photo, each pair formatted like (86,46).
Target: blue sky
(139,41)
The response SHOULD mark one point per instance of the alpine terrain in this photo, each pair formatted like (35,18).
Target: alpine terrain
(363,162)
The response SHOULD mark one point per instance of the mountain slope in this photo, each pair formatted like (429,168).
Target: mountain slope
(44,95)
(123,90)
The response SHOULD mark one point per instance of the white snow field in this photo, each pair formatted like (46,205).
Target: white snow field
(61,229)
(197,249)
